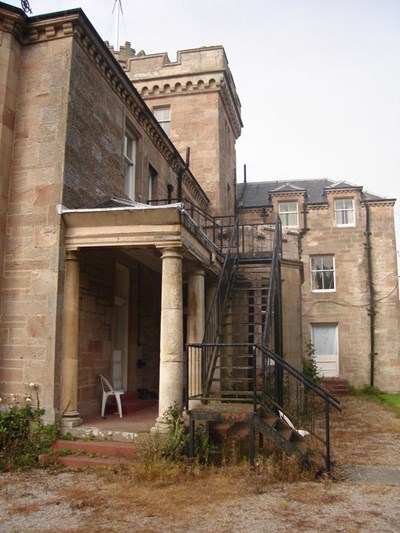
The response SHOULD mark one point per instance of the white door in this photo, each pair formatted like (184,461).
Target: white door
(118,348)
(325,341)
(120,327)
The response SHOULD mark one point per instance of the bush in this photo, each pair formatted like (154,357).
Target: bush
(310,367)
(176,444)
(23,436)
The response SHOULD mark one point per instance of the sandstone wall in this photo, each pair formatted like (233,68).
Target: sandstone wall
(30,312)
(349,305)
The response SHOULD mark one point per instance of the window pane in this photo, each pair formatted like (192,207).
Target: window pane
(328,280)
(325,339)
(163,115)
(327,261)
(129,163)
(317,262)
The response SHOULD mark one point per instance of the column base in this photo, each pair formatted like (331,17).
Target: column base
(160,427)
(71,420)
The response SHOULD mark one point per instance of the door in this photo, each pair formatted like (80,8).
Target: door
(119,357)
(120,328)
(325,341)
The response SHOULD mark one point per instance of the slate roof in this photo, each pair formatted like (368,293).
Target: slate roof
(257,194)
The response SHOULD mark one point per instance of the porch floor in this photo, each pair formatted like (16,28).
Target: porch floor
(125,429)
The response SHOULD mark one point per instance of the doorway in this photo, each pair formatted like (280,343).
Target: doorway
(120,327)
(325,342)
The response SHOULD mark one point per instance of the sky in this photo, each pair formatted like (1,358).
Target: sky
(318,80)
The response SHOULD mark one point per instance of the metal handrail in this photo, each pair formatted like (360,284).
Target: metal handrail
(260,397)
(213,327)
(274,276)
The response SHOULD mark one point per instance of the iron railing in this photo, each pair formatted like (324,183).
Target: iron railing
(240,378)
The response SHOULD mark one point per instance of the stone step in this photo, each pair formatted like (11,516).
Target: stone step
(84,461)
(336,385)
(84,454)
(103,448)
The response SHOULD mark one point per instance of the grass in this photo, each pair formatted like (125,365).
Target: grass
(391,400)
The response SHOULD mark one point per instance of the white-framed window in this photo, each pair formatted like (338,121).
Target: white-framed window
(129,163)
(344,212)
(289,214)
(163,116)
(322,272)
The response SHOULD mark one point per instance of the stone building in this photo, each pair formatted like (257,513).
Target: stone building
(92,277)
(112,246)
(349,291)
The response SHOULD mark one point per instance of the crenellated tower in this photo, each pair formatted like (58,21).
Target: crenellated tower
(195,100)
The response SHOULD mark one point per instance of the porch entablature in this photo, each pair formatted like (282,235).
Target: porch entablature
(140,227)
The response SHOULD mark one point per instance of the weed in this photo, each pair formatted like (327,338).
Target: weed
(310,367)
(23,435)
(176,443)
(62,452)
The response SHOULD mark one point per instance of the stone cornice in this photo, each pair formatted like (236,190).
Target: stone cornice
(288,194)
(13,21)
(75,24)
(317,207)
(192,186)
(346,190)
(386,202)
(185,85)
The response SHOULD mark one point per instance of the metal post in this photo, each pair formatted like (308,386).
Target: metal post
(328,443)
(252,439)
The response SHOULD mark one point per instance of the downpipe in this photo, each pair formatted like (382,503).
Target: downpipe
(372,306)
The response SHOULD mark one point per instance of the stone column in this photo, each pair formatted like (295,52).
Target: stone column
(69,363)
(171,335)
(196,321)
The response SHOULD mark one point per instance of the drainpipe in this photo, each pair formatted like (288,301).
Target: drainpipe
(182,170)
(371,310)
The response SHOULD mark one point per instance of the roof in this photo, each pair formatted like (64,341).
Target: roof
(258,194)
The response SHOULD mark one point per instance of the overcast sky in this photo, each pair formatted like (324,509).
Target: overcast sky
(319,80)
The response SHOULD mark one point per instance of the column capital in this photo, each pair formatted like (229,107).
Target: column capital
(71,255)
(196,270)
(171,251)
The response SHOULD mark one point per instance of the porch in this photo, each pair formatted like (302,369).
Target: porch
(130,428)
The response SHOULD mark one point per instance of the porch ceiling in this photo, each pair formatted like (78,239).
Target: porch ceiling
(144,227)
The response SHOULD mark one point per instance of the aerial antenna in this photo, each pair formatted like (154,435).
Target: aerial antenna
(118,5)
(25,6)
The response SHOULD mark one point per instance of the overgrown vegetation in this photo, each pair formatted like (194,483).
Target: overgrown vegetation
(310,367)
(23,435)
(176,443)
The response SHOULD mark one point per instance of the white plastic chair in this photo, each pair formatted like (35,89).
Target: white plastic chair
(108,390)
(301,432)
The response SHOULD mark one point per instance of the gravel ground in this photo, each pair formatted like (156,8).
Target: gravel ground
(365,499)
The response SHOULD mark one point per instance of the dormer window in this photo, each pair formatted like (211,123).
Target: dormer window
(344,212)
(289,214)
